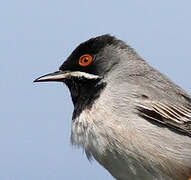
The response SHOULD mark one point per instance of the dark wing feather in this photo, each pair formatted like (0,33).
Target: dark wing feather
(176,117)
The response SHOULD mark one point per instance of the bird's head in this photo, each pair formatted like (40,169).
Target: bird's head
(86,69)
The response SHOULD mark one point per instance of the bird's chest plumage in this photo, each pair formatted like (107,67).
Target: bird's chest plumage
(89,132)
(95,131)
(86,131)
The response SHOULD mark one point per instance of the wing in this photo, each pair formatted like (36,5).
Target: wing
(173,116)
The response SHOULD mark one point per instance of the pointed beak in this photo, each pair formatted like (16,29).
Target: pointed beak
(58,76)
(61,76)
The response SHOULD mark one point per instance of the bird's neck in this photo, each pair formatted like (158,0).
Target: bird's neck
(84,92)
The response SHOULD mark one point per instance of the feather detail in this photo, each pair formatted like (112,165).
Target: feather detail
(177,117)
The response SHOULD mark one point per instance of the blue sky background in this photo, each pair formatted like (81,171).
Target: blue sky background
(36,37)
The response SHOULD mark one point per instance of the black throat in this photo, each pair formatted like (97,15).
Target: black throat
(84,92)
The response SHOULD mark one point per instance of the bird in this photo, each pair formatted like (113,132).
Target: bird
(127,115)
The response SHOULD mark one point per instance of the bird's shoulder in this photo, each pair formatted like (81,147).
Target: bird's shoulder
(162,101)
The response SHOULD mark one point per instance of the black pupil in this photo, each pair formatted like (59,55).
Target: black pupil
(86,60)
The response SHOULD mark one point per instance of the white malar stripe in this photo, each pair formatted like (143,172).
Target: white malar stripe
(81,74)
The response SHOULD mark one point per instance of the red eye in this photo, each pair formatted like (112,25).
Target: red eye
(85,60)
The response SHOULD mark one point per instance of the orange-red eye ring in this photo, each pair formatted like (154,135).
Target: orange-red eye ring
(85,60)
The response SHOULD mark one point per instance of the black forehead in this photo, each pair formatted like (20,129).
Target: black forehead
(94,45)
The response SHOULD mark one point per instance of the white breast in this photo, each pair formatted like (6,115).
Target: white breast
(86,132)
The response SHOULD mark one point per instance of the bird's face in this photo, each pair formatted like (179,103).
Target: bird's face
(85,69)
